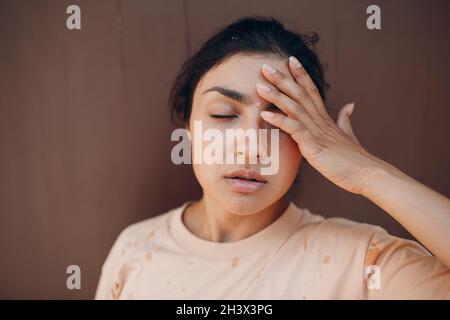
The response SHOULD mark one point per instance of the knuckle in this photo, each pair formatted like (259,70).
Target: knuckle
(298,93)
(301,72)
(313,89)
(290,106)
(300,133)
(280,75)
(301,92)
(276,94)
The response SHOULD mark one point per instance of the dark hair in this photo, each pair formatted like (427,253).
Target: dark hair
(246,35)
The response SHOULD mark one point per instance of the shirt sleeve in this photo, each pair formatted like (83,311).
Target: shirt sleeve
(397,268)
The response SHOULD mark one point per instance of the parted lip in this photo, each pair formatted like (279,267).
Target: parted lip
(246,174)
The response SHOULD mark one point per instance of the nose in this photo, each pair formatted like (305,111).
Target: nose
(252,142)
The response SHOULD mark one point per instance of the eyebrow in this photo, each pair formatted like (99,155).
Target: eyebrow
(235,95)
(229,93)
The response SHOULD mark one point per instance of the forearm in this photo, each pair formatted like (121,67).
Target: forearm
(422,211)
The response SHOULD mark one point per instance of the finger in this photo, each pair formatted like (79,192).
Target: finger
(302,77)
(344,122)
(286,124)
(286,104)
(290,87)
(295,129)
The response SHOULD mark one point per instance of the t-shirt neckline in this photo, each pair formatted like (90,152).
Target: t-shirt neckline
(264,239)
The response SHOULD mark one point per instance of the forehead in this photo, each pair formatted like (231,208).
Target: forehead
(241,72)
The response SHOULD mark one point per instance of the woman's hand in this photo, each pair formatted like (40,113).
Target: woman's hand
(336,153)
(330,148)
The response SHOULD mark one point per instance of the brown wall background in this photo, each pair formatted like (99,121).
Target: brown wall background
(85,130)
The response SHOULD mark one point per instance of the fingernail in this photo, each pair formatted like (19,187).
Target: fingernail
(266,114)
(269,69)
(351,108)
(294,62)
(263,87)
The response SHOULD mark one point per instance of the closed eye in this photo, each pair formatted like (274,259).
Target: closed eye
(223,116)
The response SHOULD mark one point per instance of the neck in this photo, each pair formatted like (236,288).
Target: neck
(209,220)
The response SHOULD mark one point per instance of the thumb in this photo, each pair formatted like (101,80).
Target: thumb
(343,120)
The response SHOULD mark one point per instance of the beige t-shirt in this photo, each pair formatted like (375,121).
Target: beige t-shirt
(299,256)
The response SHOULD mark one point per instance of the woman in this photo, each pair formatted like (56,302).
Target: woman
(245,239)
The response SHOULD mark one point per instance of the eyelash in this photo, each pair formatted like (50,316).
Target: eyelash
(223,116)
(271,107)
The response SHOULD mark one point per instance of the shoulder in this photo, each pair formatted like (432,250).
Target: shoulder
(145,230)
(336,236)
(130,247)
(330,251)
(140,237)
(336,228)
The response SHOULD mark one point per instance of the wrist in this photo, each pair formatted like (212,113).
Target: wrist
(379,178)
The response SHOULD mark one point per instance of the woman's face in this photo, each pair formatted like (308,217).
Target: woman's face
(230,185)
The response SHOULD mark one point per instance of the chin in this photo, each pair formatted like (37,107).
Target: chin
(245,204)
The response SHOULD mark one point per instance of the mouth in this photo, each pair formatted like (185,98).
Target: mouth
(245,181)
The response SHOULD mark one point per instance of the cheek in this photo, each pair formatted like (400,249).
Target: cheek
(206,174)
(201,173)
(290,157)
